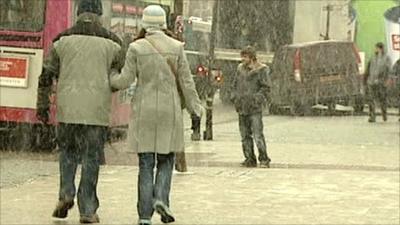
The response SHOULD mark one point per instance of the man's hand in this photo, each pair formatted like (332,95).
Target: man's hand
(259,99)
(42,114)
(113,72)
(232,98)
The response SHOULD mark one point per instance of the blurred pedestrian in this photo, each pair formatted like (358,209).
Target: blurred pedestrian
(250,91)
(396,73)
(80,60)
(164,84)
(376,76)
(203,88)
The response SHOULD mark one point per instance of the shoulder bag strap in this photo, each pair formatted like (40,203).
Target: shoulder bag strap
(170,63)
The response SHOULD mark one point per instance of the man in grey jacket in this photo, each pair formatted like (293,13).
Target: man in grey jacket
(376,75)
(250,91)
(80,60)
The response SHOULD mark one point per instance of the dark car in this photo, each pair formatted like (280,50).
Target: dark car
(323,73)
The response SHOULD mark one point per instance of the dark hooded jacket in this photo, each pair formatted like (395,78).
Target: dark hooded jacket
(250,89)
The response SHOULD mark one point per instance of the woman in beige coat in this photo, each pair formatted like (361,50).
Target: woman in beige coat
(156,128)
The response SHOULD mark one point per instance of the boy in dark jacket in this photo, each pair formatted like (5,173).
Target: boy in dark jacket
(250,90)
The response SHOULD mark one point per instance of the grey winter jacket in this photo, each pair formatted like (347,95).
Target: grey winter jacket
(80,60)
(378,69)
(250,89)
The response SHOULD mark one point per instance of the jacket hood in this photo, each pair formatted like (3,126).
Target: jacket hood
(88,17)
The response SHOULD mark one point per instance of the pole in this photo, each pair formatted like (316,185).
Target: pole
(328,20)
(136,17)
(328,8)
(124,22)
(208,133)
(180,157)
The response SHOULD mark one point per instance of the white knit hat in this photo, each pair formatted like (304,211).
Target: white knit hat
(154,17)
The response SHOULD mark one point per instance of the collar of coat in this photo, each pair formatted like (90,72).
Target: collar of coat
(257,68)
(153,31)
(89,24)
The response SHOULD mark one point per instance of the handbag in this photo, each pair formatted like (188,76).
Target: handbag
(174,72)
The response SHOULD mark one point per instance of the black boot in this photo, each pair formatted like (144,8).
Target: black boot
(196,123)
(384,116)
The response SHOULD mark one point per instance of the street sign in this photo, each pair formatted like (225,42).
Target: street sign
(14,71)
(396,42)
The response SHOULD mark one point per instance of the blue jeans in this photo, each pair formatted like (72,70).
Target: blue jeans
(80,143)
(149,190)
(251,127)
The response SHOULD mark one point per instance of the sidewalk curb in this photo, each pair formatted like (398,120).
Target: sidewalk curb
(302,166)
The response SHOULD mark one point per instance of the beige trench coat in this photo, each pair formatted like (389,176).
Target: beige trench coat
(156,124)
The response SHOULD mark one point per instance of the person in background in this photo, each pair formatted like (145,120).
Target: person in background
(158,63)
(80,60)
(396,73)
(250,92)
(376,76)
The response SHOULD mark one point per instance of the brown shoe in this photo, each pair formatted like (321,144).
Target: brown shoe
(62,208)
(90,219)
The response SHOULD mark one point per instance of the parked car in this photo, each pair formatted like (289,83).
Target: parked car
(323,73)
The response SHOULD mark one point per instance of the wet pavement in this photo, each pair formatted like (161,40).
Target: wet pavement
(325,170)
(18,170)
(216,195)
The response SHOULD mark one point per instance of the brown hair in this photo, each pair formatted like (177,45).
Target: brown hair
(381,46)
(249,51)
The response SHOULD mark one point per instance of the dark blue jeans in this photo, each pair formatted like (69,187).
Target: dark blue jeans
(251,127)
(80,143)
(150,190)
